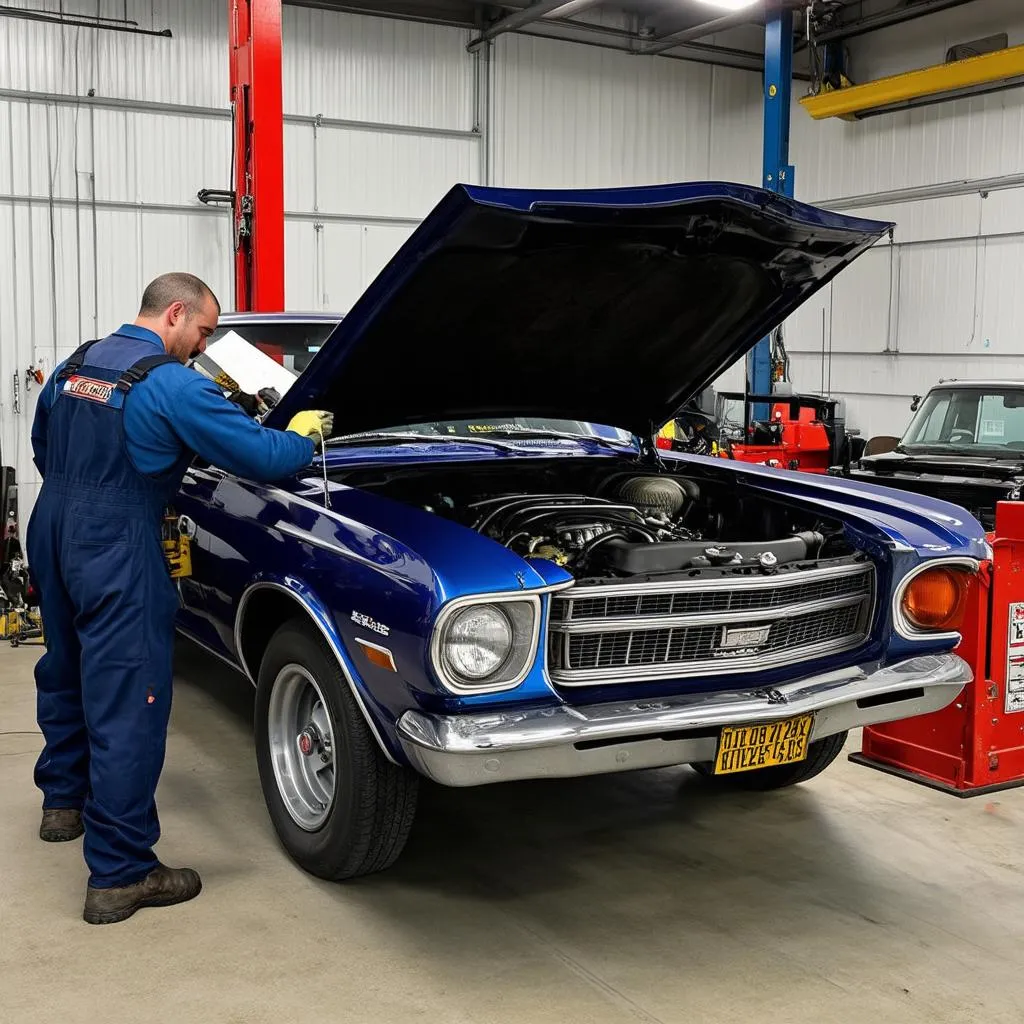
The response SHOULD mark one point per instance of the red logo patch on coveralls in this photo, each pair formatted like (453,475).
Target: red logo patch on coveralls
(89,387)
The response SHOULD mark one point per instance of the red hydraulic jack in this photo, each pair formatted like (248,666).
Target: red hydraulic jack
(254,28)
(976,745)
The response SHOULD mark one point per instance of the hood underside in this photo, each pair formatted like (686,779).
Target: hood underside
(613,306)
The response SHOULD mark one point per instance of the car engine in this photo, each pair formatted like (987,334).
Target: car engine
(644,529)
(624,524)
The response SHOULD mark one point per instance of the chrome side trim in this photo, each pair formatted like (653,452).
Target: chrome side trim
(564,741)
(903,626)
(209,650)
(310,538)
(751,615)
(353,689)
(299,499)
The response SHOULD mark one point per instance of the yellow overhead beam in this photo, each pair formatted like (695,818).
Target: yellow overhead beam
(973,73)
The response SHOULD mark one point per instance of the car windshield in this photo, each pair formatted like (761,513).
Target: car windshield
(729,413)
(972,420)
(510,426)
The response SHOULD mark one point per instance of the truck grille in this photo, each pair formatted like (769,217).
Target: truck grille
(625,633)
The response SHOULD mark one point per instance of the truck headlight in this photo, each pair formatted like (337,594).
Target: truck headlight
(934,599)
(486,645)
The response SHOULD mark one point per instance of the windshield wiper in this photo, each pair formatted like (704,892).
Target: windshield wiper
(932,448)
(390,437)
(529,433)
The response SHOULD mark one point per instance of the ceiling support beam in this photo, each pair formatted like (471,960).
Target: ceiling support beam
(886,19)
(706,28)
(526,16)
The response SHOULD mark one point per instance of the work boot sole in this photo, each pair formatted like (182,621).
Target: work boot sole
(122,914)
(61,825)
(60,835)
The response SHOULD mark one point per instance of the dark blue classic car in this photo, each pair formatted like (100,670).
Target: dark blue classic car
(493,573)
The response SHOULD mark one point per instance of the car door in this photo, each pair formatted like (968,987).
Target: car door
(196,508)
(221,511)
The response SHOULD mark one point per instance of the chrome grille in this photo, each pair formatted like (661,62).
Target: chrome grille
(693,603)
(625,633)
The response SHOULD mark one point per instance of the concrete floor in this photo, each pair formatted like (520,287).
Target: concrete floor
(644,897)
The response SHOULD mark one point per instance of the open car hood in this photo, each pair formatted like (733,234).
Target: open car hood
(611,306)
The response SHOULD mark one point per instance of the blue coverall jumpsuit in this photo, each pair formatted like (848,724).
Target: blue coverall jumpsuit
(115,429)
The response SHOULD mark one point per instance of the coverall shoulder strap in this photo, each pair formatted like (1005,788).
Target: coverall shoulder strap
(138,371)
(74,362)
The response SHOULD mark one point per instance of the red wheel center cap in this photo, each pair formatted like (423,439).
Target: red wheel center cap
(305,742)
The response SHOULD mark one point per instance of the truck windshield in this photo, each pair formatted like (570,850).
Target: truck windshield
(970,420)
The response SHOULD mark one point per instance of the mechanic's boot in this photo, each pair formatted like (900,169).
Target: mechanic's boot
(60,825)
(162,887)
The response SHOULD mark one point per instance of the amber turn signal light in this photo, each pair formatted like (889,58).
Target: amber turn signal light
(937,599)
(379,656)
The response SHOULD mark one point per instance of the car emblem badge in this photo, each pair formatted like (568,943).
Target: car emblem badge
(364,620)
(736,641)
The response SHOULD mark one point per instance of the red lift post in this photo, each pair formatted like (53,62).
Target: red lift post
(254,31)
(976,745)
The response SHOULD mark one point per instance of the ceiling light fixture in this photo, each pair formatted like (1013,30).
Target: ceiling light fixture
(728,5)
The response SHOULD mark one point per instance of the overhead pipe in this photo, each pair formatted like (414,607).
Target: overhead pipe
(749,15)
(628,42)
(705,28)
(526,16)
(82,21)
(694,53)
(886,19)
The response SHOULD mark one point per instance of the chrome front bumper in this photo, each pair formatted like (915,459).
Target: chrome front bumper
(564,741)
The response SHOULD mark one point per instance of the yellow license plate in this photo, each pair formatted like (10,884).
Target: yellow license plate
(744,748)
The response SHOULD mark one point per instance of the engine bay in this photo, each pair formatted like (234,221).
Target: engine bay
(605,522)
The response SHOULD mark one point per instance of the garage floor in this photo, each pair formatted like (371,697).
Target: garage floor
(644,897)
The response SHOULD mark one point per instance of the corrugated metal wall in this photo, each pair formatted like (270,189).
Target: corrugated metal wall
(95,200)
(944,300)
(98,198)
(383,116)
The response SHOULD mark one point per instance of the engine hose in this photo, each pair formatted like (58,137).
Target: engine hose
(588,549)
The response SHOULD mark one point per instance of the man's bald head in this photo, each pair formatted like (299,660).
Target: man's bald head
(167,289)
(182,310)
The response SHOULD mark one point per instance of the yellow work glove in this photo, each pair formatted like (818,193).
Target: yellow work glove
(314,423)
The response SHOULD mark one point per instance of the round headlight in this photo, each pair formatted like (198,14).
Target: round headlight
(936,599)
(478,641)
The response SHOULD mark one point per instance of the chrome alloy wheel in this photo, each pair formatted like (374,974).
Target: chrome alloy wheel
(301,746)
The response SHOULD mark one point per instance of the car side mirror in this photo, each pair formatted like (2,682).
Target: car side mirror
(915,403)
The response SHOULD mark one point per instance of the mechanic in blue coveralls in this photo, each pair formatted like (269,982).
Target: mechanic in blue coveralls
(115,428)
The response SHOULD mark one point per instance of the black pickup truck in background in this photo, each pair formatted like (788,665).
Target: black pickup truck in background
(965,444)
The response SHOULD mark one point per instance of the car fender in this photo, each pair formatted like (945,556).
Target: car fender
(317,611)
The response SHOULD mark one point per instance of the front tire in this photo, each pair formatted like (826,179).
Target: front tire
(340,808)
(820,755)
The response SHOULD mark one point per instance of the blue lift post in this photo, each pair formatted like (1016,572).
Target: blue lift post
(778,172)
